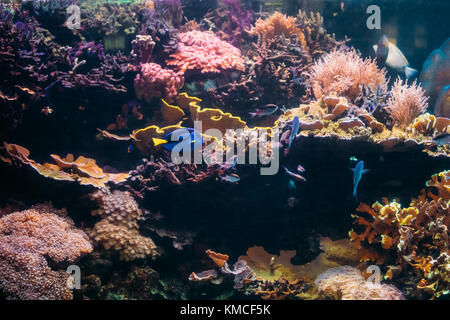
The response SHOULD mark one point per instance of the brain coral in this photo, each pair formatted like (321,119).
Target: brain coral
(118,230)
(347,283)
(205,52)
(27,240)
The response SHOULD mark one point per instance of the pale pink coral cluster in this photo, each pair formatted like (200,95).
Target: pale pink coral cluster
(30,238)
(347,283)
(345,72)
(205,52)
(406,102)
(155,81)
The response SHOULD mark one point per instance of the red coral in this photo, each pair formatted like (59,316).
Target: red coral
(27,239)
(155,81)
(205,52)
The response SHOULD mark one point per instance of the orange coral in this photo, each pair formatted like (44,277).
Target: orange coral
(345,72)
(84,170)
(417,236)
(218,258)
(406,102)
(118,230)
(277,25)
(27,240)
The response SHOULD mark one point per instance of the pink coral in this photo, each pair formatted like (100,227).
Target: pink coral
(205,52)
(345,72)
(406,102)
(27,240)
(347,283)
(155,81)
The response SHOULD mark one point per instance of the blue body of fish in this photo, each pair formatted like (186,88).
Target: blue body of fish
(358,171)
(294,130)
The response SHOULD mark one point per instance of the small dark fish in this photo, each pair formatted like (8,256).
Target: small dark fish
(358,171)
(130,148)
(264,111)
(295,176)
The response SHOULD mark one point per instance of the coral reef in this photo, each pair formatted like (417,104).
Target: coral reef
(118,229)
(277,25)
(347,283)
(416,236)
(83,170)
(31,238)
(406,102)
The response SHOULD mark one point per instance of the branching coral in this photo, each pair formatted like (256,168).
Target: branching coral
(347,283)
(27,240)
(406,102)
(204,52)
(154,81)
(417,236)
(277,25)
(118,229)
(230,21)
(345,72)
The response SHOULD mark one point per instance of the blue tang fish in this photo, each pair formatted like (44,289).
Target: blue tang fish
(358,171)
(184,133)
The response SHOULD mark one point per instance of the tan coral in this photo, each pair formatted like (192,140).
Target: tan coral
(118,230)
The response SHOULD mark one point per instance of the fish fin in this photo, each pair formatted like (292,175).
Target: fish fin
(366,170)
(375,48)
(353,169)
(355,195)
(157,142)
(409,72)
(252,114)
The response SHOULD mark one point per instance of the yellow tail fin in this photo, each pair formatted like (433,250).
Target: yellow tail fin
(157,142)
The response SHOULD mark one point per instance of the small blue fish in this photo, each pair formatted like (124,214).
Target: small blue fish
(358,171)
(264,111)
(295,176)
(130,148)
(184,133)
(232,178)
(294,130)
